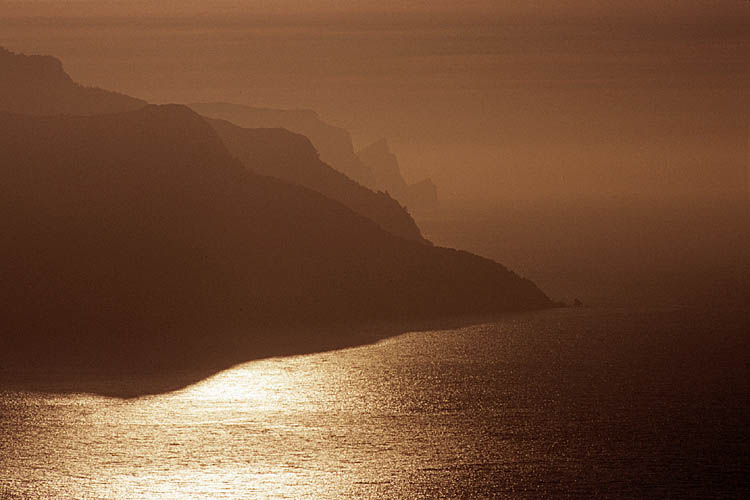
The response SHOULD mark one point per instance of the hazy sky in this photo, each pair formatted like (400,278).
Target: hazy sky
(492,99)
(576,8)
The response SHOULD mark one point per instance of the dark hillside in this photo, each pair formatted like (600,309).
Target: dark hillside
(133,241)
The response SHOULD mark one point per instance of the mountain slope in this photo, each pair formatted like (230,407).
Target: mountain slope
(134,241)
(285,155)
(333,143)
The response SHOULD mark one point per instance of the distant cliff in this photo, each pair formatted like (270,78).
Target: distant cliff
(419,197)
(134,241)
(38,85)
(285,155)
(422,196)
(375,167)
(384,165)
(333,143)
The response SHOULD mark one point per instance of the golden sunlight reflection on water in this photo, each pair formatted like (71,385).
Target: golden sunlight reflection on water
(276,428)
(261,383)
(584,403)
(244,432)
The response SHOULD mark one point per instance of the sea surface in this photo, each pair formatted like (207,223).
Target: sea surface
(647,396)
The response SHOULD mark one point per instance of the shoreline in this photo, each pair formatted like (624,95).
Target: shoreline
(205,360)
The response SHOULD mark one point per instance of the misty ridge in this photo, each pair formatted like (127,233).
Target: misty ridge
(375,166)
(145,238)
(279,153)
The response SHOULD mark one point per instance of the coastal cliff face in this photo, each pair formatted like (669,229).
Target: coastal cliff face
(132,238)
(423,197)
(292,157)
(384,164)
(333,143)
(374,167)
(418,197)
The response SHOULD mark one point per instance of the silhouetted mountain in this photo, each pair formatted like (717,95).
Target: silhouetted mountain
(279,153)
(333,143)
(379,158)
(38,85)
(135,241)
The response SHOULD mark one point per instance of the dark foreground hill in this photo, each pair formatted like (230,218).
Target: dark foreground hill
(135,242)
(279,153)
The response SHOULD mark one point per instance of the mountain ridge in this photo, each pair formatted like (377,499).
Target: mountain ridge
(266,151)
(39,85)
(136,242)
(333,143)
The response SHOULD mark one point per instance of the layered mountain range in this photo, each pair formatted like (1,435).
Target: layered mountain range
(137,237)
(280,153)
(334,144)
(374,167)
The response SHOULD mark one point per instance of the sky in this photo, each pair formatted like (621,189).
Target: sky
(574,8)
(493,100)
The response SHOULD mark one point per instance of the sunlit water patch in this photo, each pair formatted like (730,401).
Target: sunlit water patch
(580,403)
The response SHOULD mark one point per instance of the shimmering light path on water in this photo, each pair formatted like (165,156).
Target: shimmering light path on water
(576,402)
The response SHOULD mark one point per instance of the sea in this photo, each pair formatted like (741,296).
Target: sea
(641,392)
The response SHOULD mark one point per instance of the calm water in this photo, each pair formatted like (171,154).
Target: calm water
(576,402)
(607,401)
